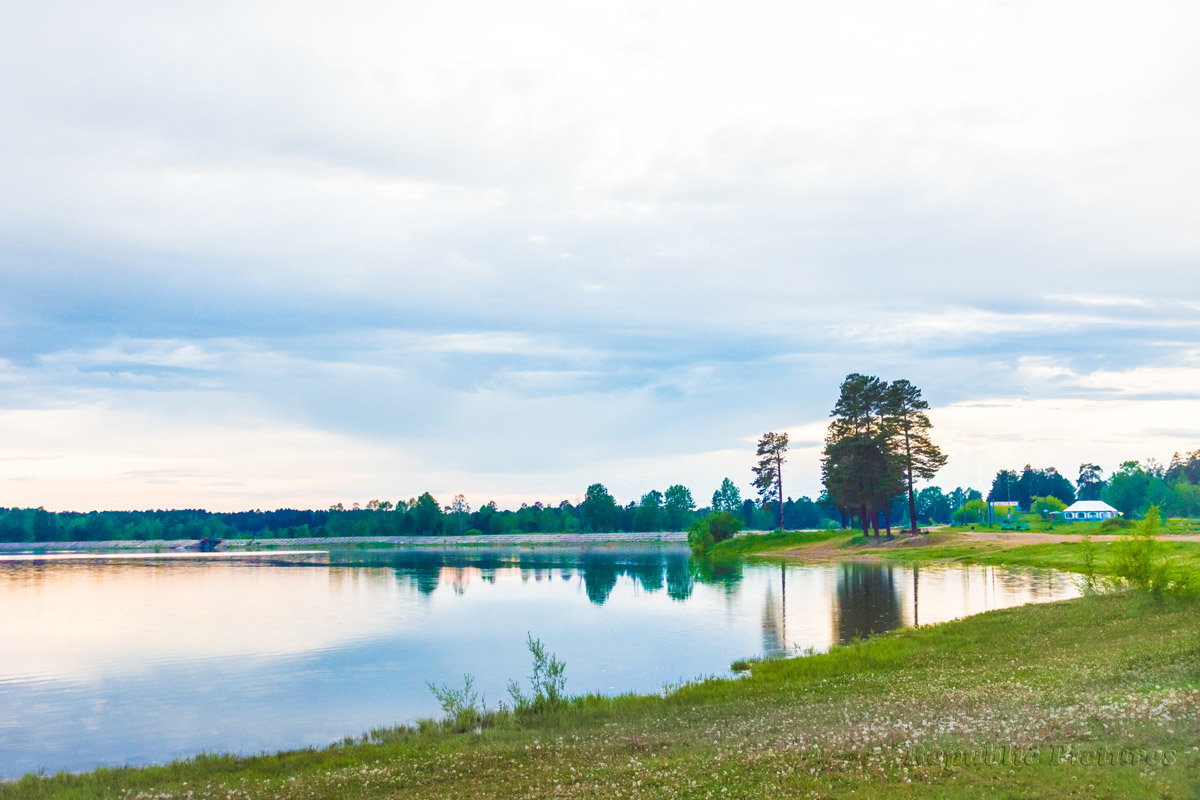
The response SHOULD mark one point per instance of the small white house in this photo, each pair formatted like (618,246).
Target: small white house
(1089,509)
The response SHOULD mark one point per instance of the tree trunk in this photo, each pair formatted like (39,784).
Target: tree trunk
(912,502)
(916,595)
(779,489)
(862,518)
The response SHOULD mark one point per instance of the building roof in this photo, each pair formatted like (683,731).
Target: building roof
(1090,505)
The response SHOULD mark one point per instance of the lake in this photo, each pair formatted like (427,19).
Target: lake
(136,659)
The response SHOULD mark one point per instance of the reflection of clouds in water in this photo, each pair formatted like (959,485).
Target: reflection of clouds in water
(82,621)
(937,593)
(86,620)
(196,656)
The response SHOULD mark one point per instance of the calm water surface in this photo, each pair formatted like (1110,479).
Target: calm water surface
(113,661)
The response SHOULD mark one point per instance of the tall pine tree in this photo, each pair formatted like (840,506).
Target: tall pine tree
(877,446)
(768,474)
(860,471)
(904,412)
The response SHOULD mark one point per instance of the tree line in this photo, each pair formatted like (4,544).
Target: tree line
(672,509)
(1132,489)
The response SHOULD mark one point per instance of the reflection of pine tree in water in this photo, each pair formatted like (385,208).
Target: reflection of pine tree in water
(679,578)
(867,601)
(774,635)
(648,571)
(424,574)
(599,577)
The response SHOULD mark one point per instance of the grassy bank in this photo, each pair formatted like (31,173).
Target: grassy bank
(1068,555)
(952,546)
(755,543)
(1095,697)
(959,544)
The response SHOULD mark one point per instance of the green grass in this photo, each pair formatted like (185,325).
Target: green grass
(752,543)
(1081,528)
(1066,556)
(1039,525)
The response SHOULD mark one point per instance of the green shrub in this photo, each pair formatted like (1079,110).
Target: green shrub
(716,527)
(972,511)
(1140,560)
(1044,505)
(461,706)
(1090,584)
(547,682)
(700,541)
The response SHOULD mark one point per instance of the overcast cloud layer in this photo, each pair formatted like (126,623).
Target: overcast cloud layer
(289,254)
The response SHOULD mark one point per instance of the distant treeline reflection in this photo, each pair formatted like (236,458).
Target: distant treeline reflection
(672,569)
(868,595)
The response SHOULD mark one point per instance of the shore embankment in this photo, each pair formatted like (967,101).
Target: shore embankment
(508,539)
(1015,547)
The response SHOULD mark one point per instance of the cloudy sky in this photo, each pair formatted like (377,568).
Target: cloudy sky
(265,254)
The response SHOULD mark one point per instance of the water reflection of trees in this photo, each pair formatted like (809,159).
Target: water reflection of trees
(726,574)
(774,617)
(599,577)
(774,623)
(599,570)
(868,600)
(679,579)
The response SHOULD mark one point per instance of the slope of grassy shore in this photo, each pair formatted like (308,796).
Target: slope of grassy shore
(1097,697)
(958,545)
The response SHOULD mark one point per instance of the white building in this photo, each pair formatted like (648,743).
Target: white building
(1089,509)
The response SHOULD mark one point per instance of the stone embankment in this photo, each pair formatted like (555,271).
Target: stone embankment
(673,537)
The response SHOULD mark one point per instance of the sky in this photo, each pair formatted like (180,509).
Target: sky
(288,254)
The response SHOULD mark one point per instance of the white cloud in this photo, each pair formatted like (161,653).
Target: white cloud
(143,352)
(515,246)
(1181,379)
(1098,300)
(90,457)
(984,436)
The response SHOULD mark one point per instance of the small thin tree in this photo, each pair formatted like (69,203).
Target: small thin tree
(768,475)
